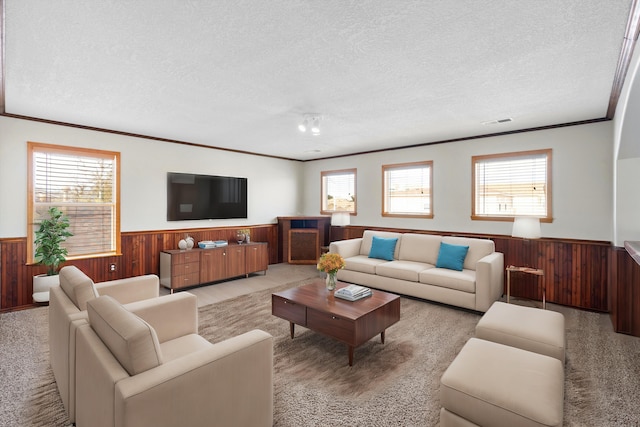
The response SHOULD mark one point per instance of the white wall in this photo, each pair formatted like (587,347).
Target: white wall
(274,185)
(626,188)
(582,182)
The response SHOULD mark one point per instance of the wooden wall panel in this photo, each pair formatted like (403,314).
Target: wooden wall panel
(624,289)
(140,255)
(576,272)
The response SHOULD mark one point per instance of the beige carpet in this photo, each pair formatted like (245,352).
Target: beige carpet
(392,384)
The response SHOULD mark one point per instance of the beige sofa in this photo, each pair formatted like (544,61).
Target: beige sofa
(413,268)
(155,370)
(67,309)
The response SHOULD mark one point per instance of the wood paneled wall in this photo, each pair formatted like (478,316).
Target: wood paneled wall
(140,255)
(624,293)
(576,272)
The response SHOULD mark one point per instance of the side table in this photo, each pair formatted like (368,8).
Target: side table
(528,270)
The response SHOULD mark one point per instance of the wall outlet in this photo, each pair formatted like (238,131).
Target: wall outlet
(112,267)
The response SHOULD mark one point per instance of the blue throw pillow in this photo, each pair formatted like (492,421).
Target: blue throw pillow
(451,256)
(382,248)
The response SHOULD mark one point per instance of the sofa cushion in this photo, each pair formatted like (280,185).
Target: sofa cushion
(420,248)
(451,256)
(131,340)
(363,264)
(77,286)
(367,239)
(464,280)
(383,248)
(478,249)
(403,270)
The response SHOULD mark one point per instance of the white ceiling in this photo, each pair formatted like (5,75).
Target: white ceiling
(240,74)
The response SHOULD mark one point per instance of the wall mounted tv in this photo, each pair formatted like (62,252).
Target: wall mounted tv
(191,196)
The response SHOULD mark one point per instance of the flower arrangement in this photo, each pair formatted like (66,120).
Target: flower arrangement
(330,263)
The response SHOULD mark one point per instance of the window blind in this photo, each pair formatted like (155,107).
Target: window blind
(338,191)
(512,185)
(407,189)
(83,184)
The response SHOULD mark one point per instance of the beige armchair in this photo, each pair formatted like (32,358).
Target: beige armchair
(145,365)
(67,309)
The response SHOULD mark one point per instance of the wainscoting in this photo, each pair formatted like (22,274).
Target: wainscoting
(576,272)
(140,255)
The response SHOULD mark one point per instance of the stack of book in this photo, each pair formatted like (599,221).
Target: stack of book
(353,292)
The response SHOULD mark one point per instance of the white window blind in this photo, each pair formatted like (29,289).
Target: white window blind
(512,184)
(84,185)
(407,190)
(338,191)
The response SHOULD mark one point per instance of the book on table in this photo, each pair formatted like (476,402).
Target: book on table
(353,292)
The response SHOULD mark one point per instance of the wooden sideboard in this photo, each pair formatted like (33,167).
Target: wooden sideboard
(186,268)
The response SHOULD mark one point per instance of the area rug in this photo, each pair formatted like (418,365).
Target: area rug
(395,383)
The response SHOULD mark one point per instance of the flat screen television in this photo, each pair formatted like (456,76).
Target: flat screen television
(191,196)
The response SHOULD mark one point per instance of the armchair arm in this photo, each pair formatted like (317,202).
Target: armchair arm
(489,280)
(171,316)
(231,383)
(131,289)
(346,248)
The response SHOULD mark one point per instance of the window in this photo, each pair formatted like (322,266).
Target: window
(85,185)
(338,191)
(512,184)
(406,190)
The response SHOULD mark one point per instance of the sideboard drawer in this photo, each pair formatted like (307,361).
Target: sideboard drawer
(189,268)
(288,310)
(331,325)
(184,280)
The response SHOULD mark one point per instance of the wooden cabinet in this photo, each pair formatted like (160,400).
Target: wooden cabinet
(301,237)
(256,258)
(181,269)
(212,265)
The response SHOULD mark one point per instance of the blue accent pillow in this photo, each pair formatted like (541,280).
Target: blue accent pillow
(451,256)
(383,248)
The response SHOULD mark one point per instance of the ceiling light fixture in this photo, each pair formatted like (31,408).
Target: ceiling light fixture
(311,123)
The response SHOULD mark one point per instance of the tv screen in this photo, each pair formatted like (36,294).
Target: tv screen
(191,196)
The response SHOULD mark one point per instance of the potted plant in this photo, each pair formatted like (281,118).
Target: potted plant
(52,232)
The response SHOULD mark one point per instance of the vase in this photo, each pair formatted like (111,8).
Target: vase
(331,281)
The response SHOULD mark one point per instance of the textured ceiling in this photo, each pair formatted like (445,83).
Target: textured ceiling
(240,74)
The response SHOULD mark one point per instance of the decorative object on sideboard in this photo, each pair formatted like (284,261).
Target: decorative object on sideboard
(186,243)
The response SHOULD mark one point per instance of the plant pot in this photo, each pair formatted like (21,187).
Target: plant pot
(41,286)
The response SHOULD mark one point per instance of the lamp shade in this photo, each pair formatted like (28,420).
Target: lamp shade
(340,218)
(526,227)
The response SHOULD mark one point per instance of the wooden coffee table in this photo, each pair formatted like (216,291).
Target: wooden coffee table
(350,322)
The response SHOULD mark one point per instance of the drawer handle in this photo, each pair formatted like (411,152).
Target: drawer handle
(335,318)
(289,302)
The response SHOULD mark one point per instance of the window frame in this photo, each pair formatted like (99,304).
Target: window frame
(32,226)
(548,152)
(401,166)
(324,195)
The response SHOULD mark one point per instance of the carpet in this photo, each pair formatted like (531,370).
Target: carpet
(396,383)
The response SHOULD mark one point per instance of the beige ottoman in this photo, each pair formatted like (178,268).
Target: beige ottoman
(490,384)
(533,329)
